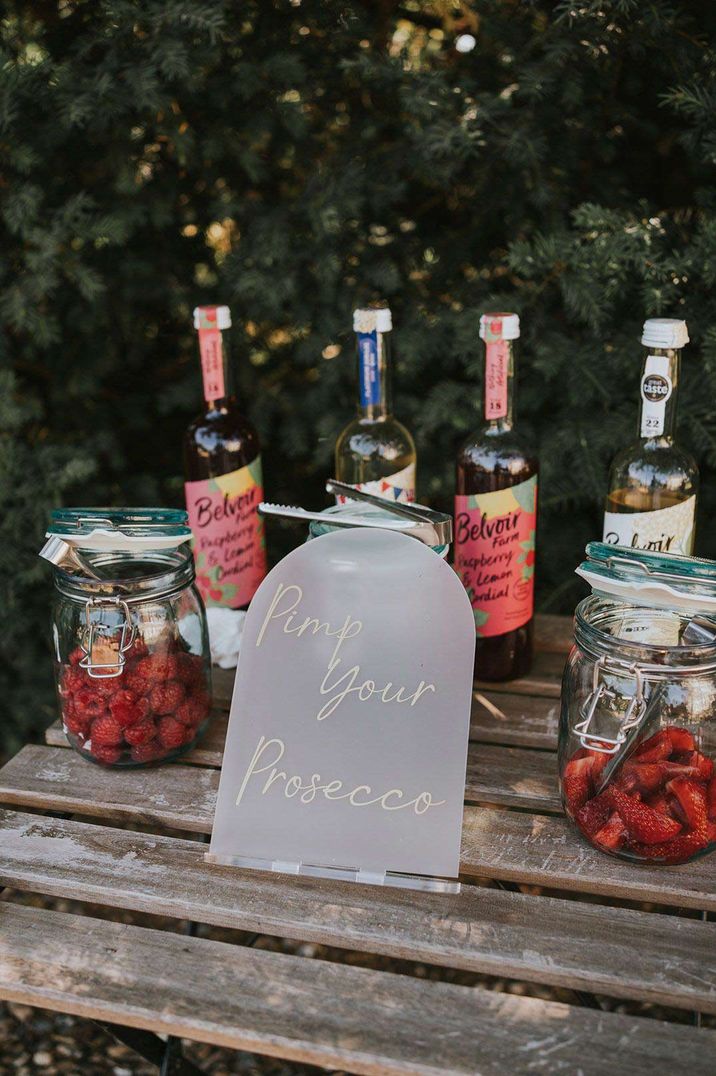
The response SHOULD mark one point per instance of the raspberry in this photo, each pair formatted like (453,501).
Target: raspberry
(107,753)
(158,667)
(75,723)
(172,733)
(141,733)
(191,668)
(106,731)
(193,710)
(138,649)
(88,702)
(148,752)
(127,709)
(165,698)
(72,679)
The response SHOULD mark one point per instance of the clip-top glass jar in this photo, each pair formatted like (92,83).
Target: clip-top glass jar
(371,513)
(132,659)
(637,737)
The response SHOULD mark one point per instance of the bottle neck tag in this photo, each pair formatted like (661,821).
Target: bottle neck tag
(368,369)
(497,357)
(656,390)
(212,355)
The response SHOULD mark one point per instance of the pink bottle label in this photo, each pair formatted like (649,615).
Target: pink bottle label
(229,545)
(497,355)
(495,554)
(212,359)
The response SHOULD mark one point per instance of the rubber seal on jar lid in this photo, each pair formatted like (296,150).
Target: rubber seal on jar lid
(645,578)
(122,529)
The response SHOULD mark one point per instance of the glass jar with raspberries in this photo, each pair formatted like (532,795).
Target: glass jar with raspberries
(133,668)
(637,738)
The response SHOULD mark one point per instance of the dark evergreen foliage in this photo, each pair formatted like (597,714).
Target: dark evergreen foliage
(291,158)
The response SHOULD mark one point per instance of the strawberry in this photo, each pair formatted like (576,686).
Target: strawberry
(193,710)
(644,777)
(657,747)
(107,753)
(126,708)
(88,702)
(701,763)
(577,781)
(692,802)
(677,850)
(76,656)
(141,733)
(172,733)
(593,815)
(681,739)
(642,822)
(106,732)
(148,752)
(661,803)
(711,799)
(613,834)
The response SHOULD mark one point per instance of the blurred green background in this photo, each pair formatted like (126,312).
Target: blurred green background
(293,158)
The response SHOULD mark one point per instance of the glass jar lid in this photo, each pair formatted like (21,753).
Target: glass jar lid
(645,578)
(130,529)
(359,510)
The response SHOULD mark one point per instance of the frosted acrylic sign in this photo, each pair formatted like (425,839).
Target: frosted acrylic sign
(347,741)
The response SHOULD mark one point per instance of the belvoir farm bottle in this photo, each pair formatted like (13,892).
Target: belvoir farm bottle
(222,467)
(496,517)
(375,451)
(653,483)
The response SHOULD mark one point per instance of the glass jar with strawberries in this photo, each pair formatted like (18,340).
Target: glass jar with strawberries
(637,739)
(132,660)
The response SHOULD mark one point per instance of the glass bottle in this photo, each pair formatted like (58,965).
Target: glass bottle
(653,483)
(496,517)
(376,452)
(222,469)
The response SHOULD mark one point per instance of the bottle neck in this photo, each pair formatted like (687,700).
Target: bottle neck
(374,375)
(499,385)
(659,385)
(215,367)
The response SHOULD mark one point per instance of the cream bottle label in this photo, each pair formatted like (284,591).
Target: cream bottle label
(666,530)
(395,487)
(229,545)
(656,389)
(495,553)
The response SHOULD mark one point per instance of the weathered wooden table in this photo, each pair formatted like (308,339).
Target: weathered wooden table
(63,835)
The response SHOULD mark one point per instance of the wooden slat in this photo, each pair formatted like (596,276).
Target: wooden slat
(544,679)
(318,1012)
(546,850)
(615,951)
(517,720)
(531,848)
(184,797)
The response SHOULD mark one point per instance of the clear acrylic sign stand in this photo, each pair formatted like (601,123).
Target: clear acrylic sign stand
(347,741)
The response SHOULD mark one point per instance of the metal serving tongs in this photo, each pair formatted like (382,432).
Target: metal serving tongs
(416,520)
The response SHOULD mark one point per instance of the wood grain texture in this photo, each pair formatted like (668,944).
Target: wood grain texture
(546,850)
(611,950)
(318,1012)
(184,797)
(533,848)
(517,720)
(544,679)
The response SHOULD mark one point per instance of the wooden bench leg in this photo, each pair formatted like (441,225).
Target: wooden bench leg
(166,1056)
